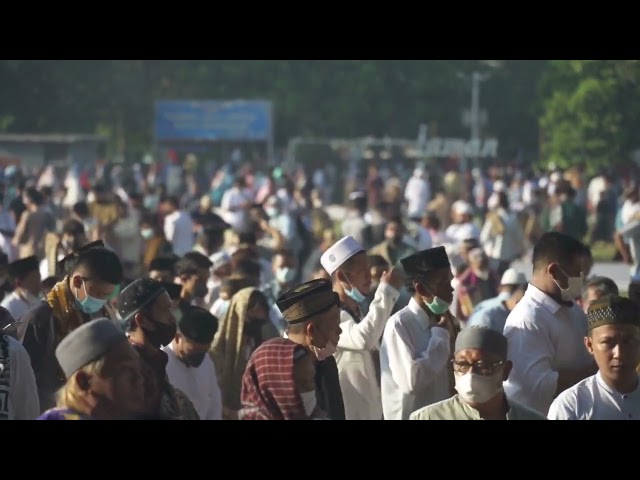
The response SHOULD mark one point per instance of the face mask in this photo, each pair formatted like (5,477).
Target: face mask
(163,334)
(89,305)
(437,305)
(476,389)
(574,288)
(200,290)
(323,353)
(354,294)
(309,401)
(285,275)
(194,360)
(147,233)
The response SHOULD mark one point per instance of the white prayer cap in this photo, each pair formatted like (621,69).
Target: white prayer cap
(219,259)
(463,208)
(512,277)
(418,172)
(556,177)
(499,186)
(340,252)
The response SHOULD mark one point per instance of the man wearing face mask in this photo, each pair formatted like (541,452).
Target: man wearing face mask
(284,272)
(480,366)
(348,265)
(192,272)
(393,248)
(26,277)
(146,312)
(93,276)
(312,313)
(416,344)
(546,329)
(189,368)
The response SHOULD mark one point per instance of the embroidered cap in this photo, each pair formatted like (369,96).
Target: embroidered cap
(613,310)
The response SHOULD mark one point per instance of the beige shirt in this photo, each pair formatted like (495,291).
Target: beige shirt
(455,409)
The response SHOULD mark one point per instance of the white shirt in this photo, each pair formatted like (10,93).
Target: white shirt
(417,194)
(413,363)
(459,232)
(544,337)
(509,245)
(199,384)
(17,307)
(21,401)
(178,228)
(44,267)
(593,399)
(233,199)
(356,371)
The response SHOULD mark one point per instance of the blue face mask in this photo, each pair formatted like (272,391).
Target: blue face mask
(89,305)
(355,295)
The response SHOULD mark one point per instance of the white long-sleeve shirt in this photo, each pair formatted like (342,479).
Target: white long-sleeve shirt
(178,229)
(507,246)
(358,382)
(20,401)
(593,399)
(417,194)
(199,384)
(544,337)
(413,361)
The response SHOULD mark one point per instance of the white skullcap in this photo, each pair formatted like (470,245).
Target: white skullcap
(463,208)
(499,186)
(340,252)
(512,277)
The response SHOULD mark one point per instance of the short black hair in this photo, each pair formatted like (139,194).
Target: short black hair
(172,200)
(556,247)
(248,268)
(101,264)
(34,196)
(50,282)
(73,227)
(191,263)
(198,325)
(199,259)
(604,285)
(247,237)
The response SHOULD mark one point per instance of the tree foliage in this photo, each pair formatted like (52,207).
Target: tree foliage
(591,111)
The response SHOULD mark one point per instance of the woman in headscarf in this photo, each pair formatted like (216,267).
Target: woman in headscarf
(279,383)
(240,333)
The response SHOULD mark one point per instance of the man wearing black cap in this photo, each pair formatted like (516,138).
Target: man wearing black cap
(416,344)
(162,269)
(189,368)
(145,310)
(614,340)
(93,276)
(480,366)
(25,274)
(312,313)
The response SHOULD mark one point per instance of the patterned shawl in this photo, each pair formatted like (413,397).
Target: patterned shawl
(227,352)
(268,386)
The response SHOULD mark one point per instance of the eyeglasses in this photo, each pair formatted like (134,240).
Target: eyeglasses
(484,369)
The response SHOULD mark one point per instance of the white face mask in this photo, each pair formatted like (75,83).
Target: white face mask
(476,389)
(309,401)
(323,353)
(574,288)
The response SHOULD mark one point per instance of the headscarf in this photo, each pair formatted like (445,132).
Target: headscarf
(268,386)
(227,349)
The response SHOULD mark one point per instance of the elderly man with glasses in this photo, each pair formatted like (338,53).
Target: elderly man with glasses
(480,366)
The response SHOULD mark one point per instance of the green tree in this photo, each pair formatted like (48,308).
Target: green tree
(591,112)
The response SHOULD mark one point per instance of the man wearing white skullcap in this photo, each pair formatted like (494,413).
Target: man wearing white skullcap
(463,227)
(348,265)
(417,193)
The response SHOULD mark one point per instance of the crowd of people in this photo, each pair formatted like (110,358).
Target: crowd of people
(152,293)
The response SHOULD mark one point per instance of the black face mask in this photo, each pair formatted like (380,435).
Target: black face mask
(193,360)
(162,335)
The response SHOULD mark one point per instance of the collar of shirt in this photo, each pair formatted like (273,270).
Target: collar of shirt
(620,396)
(473,414)
(543,299)
(423,318)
